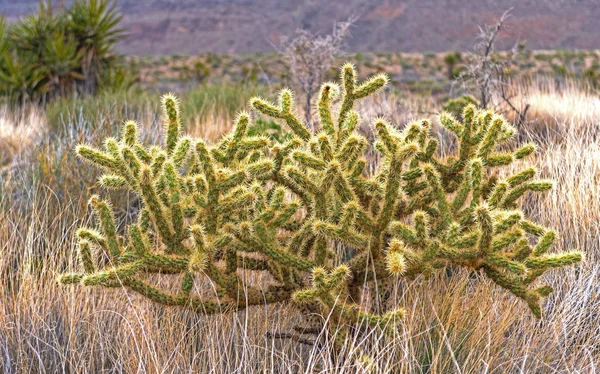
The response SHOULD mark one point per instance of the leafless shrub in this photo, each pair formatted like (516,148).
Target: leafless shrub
(488,74)
(309,56)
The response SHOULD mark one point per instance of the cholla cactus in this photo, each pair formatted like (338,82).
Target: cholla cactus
(287,208)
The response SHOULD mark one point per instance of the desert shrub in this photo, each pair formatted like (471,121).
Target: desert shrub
(213,60)
(451,60)
(425,87)
(249,74)
(310,56)
(456,106)
(268,127)
(200,71)
(197,73)
(487,74)
(51,54)
(292,209)
(590,75)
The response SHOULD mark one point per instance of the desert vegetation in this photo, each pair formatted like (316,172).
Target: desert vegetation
(403,232)
(54,53)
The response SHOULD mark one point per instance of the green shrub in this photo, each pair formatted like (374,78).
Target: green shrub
(590,75)
(268,128)
(250,74)
(48,54)
(200,71)
(456,106)
(451,60)
(425,87)
(292,208)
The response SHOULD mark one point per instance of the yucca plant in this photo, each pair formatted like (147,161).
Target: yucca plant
(292,209)
(51,54)
(94,27)
(61,63)
(21,78)
(31,33)
(4,37)
(119,78)
(23,74)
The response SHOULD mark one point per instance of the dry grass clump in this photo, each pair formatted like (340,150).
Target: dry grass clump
(46,328)
(18,132)
(559,110)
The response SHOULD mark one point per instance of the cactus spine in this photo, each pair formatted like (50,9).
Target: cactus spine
(248,202)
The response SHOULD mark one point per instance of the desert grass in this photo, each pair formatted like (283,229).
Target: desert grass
(457,322)
(19,130)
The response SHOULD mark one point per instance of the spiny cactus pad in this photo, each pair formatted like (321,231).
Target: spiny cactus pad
(309,213)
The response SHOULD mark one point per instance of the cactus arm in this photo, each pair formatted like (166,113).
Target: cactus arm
(286,209)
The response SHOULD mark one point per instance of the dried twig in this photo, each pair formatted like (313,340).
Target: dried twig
(487,74)
(310,56)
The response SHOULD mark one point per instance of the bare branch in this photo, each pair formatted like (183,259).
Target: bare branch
(309,56)
(487,73)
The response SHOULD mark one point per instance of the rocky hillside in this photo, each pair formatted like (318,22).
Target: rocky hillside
(247,26)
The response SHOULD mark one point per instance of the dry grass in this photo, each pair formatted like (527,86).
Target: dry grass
(456,321)
(18,132)
(560,110)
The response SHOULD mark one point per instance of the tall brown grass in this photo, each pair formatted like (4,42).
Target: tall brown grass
(457,322)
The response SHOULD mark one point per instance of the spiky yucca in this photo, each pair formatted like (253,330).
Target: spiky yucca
(306,211)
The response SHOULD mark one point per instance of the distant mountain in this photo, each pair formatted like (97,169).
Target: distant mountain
(247,26)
